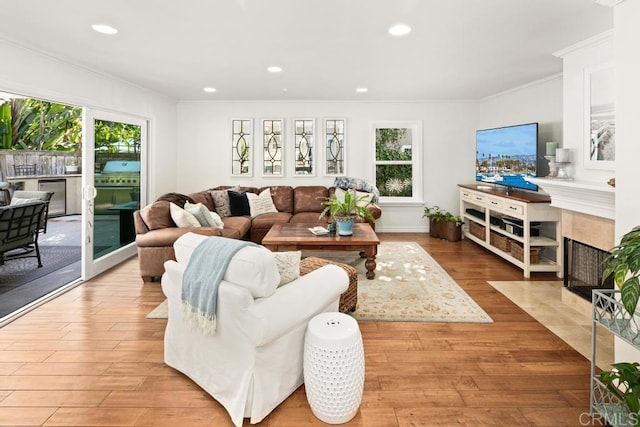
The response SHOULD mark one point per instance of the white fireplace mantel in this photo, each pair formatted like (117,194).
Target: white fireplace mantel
(580,196)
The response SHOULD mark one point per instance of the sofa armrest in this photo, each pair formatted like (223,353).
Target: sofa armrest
(375,210)
(294,304)
(167,236)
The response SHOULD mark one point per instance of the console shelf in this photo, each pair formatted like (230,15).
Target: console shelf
(539,249)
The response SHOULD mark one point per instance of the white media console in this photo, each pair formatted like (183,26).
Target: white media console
(521,227)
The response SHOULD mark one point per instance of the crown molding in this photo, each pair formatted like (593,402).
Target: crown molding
(609,3)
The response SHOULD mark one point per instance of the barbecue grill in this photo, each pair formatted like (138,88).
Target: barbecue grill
(119,182)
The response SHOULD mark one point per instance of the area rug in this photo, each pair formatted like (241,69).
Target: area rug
(410,286)
(17,272)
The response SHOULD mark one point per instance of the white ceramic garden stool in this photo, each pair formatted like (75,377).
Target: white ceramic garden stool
(334,367)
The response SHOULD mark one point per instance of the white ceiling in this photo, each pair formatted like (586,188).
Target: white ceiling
(458,49)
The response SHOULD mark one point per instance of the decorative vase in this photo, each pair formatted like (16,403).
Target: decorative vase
(345,225)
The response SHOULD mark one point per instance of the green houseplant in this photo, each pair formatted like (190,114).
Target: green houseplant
(624,383)
(345,211)
(624,263)
(443,224)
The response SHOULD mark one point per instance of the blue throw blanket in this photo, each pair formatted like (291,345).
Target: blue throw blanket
(202,277)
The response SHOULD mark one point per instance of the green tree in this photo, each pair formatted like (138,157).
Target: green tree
(44,125)
(5,125)
(114,136)
(393,180)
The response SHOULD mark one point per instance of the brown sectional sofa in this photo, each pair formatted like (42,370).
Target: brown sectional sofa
(156,232)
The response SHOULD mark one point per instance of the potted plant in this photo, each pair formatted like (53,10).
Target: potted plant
(443,224)
(624,263)
(72,166)
(624,383)
(345,211)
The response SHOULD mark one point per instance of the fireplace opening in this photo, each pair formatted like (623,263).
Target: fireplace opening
(583,267)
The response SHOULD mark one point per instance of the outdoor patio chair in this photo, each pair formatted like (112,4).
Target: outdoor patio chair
(24,196)
(19,226)
(4,189)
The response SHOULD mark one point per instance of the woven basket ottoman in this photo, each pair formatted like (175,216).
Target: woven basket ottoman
(349,298)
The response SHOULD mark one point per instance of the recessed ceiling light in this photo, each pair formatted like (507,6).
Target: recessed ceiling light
(362,90)
(104,29)
(399,30)
(209,89)
(274,69)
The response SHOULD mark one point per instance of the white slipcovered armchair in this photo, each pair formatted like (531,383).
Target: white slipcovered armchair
(254,359)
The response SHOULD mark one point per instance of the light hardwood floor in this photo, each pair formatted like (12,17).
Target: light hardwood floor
(91,358)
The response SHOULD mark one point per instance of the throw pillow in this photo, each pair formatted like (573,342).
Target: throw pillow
(17,201)
(238,203)
(221,201)
(181,217)
(261,203)
(288,266)
(202,214)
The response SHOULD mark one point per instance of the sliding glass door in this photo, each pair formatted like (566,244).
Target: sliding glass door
(114,186)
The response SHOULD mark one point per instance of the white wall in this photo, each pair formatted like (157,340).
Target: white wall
(540,102)
(448,147)
(627,32)
(577,60)
(30,73)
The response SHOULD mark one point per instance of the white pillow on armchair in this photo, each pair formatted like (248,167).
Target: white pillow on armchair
(252,267)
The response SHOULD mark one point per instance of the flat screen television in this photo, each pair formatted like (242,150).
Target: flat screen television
(507,155)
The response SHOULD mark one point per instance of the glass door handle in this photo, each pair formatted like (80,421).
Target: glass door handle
(89,192)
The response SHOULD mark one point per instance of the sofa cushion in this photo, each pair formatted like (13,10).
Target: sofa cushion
(241,224)
(181,217)
(309,198)
(252,267)
(261,203)
(308,217)
(157,215)
(282,196)
(268,219)
(203,197)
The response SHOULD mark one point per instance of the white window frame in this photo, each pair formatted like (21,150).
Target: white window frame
(416,158)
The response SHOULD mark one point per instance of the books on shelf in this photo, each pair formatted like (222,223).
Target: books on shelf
(319,231)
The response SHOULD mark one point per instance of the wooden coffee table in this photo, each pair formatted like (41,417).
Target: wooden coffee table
(297,237)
